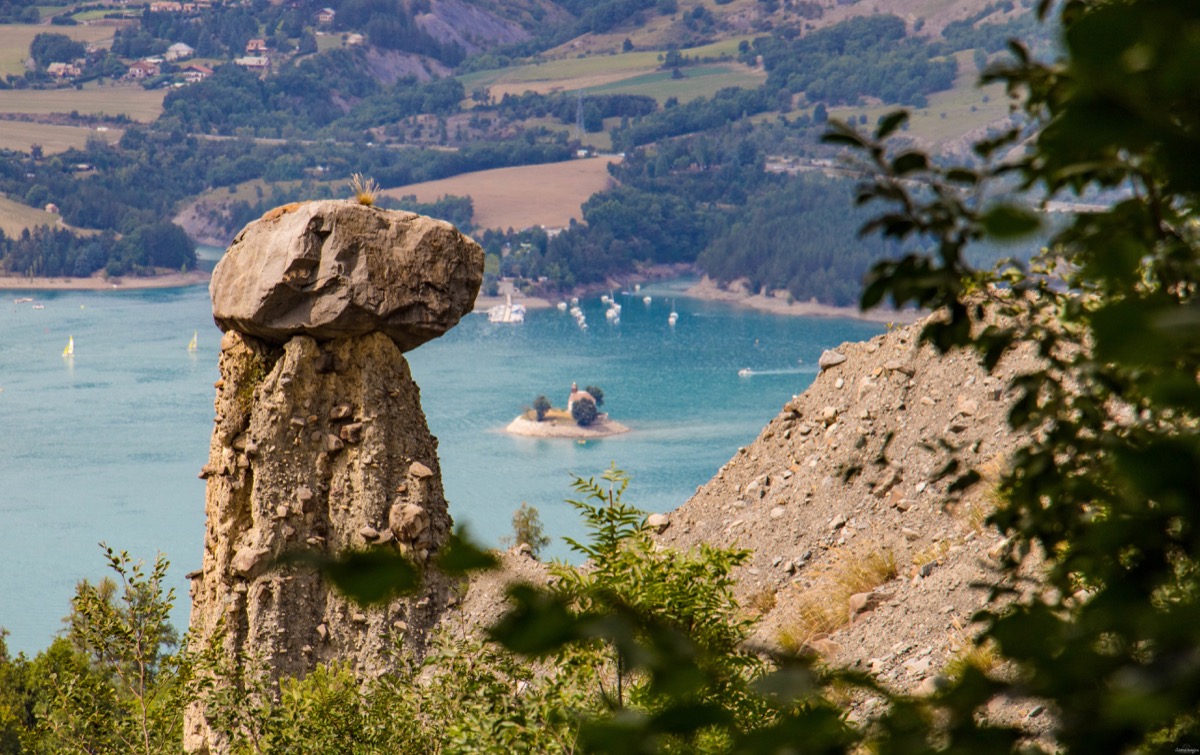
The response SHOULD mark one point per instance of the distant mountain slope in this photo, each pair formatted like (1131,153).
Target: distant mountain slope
(469,26)
(707,21)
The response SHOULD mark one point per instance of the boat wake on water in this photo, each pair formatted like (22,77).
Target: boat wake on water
(747,372)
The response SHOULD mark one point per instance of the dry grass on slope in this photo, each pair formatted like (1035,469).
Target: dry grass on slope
(846,478)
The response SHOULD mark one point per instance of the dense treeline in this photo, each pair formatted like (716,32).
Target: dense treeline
(974,32)
(54,252)
(862,57)
(455,210)
(19,12)
(303,98)
(389,24)
(55,48)
(801,237)
(599,16)
(139,183)
(724,107)
(565,107)
(706,199)
(404,99)
(219,31)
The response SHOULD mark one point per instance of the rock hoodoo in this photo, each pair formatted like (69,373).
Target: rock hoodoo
(319,440)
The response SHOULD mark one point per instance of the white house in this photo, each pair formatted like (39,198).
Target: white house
(196,72)
(143,69)
(179,51)
(576,395)
(63,70)
(254,62)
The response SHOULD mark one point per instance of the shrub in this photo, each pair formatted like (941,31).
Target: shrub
(528,530)
(597,393)
(583,411)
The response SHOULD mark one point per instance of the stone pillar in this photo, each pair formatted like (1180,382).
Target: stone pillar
(319,440)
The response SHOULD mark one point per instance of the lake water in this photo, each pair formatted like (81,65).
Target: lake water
(106,445)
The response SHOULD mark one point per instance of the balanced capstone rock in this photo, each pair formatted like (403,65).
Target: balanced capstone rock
(333,269)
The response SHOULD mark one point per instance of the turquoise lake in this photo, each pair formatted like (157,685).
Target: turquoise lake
(106,446)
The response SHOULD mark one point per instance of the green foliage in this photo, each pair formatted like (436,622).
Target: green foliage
(759,243)
(372,576)
(1105,480)
(583,411)
(860,57)
(597,393)
(475,697)
(528,529)
(680,679)
(111,687)
(55,48)
(541,405)
(458,211)
(700,114)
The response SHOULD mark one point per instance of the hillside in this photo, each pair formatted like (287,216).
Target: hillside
(846,480)
(858,551)
(259,106)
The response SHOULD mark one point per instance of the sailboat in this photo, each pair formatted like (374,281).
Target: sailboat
(671,318)
(192,343)
(69,349)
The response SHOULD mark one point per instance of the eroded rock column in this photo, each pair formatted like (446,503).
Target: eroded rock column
(319,440)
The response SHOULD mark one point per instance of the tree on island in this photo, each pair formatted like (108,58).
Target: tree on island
(583,411)
(541,405)
(597,393)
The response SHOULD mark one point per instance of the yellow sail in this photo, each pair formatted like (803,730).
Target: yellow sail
(69,349)
(192,344)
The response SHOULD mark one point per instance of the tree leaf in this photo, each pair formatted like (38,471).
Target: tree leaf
(909,162)
(365,576)
(1006,221)
(889,123)
(461,556)
(537,623)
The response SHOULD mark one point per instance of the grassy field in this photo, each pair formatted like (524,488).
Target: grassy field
(19,136)
(104,13)
(548,195)
(950,114)
(964,108)
(15,217)
(329,42)
(697,81)
(132,100)
(626,73)
(15,39)
(561,74)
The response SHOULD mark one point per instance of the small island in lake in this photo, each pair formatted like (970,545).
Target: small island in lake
(581,419)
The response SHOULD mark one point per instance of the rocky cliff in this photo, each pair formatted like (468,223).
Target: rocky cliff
(861,552)
(319,440)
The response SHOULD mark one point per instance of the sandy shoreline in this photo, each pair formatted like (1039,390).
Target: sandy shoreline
(777,303)
(601,428)
(99,283)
